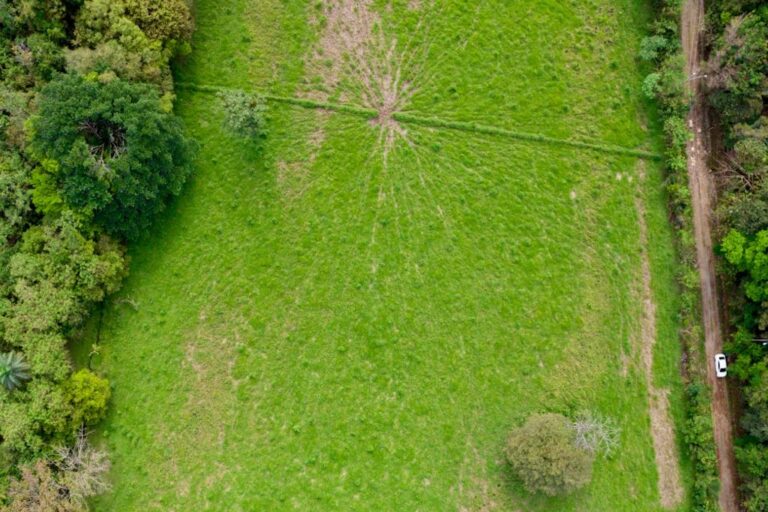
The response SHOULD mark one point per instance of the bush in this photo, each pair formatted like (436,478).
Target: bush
(698,435)
(169,20)
(56,273)
(88,395)
(245,114)
(110,151)
(543,454)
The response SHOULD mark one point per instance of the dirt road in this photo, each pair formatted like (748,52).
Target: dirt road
(702,195)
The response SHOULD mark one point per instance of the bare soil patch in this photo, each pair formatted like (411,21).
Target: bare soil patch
(357,59)
(664,446)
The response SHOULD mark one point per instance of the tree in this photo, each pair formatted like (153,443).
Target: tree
(112,59)
(245,114)
(108,150)
(82,470)
(56,273)
(166,21)
(32,417)
(37,491)
(738,67)
(63,484)
(543,454)
(13,370)
(15,200)
(749,256)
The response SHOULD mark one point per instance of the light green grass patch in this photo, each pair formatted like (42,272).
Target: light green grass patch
(328,322)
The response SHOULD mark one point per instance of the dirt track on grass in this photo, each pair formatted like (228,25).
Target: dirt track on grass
(663,434)
(702,198)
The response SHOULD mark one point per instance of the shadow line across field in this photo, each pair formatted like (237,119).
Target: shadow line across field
(433,122)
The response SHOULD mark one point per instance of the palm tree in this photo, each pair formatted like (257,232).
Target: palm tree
(13,370)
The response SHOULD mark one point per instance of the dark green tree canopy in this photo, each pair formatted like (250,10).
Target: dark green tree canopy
(108,149)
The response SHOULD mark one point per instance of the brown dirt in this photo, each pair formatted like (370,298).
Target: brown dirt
(208,373)
(702,198)
(355,54)
(662,431)
(475,492)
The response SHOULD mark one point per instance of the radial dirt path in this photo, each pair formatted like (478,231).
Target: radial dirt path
(702,193)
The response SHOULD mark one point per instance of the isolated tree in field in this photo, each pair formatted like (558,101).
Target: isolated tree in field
(543,454)
(245,114)
(109,150)
(13,370)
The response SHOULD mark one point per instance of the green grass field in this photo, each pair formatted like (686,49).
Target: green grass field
(352,315)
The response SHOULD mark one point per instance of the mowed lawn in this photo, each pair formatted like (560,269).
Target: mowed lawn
(330,320)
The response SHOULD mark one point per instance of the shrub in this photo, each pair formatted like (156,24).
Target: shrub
(111,151)
(543,454)
(88,394)
(595,433)
(245,114)
(169,20)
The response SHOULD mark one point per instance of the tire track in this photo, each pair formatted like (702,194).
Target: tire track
(437,123)
(671,491)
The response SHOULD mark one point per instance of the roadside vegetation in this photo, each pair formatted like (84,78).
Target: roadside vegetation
(667,85)
(90,153)
(734,80)
(737,77)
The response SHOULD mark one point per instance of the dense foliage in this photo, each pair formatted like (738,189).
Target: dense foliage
(737,80)
(244,114)
(107,150)
(89,153)
(544,454)
(667,85)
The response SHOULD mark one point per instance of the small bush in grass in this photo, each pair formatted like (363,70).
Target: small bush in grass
(245,114)
(544,455)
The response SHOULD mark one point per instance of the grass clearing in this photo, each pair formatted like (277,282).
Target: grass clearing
(353,316)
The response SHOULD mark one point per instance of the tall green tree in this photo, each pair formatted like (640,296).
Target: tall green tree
(109,150)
